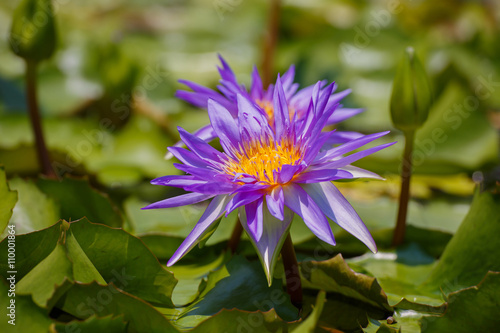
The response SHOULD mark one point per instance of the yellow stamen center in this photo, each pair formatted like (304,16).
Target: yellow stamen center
(259,159)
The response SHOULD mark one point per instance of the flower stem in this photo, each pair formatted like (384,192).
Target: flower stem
(404,197)
(31,96)
(293,283)
(270,41)
(232,245)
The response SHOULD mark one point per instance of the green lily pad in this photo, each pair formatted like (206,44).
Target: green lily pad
(474,309)
(241,285)
(84,252)
(474,250)
(41,281)
(110,324)
(87,300)
(351,296)
(34,209)
(9,199)
(27,316)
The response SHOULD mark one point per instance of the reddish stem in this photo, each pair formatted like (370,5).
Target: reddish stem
(31,96)
(271,41)
(292,274)
(404,197)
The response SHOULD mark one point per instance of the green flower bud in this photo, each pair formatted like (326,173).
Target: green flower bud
(33,33)
(411,94)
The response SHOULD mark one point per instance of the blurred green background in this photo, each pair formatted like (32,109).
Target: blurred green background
(120,61)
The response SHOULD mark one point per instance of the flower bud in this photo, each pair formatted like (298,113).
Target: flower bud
(411,94)
(33,33)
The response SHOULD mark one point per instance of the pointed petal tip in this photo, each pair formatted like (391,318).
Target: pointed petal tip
(168,156)
(171,261)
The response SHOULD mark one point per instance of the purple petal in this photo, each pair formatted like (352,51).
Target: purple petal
(251,119)
(176,181)
(254,218)
(201,173)
(187,157)
(205,133)
(348,159)
(287,172)
(342,114)
(336,207)
(360,173)
(273,236)
(201,148)
(281,114)
(336,98)
(276,202)
(351,145)
(302,204)
(316,176)
(181,200)
(214,187)
(203,227)
(224,125)
(241,199)
(256,90)
(340,137)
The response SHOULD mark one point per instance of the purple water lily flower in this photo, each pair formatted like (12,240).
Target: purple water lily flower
(269,172)
(298,100)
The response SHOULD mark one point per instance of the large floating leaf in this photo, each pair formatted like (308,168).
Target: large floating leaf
(85,252)
(240,285)
(86,300)
(41,281)
(351,298)
(401,274)
(28,316)
(9,199)
(474,309)
(31,249)
(474,250)
(124,260)
(108,324)
(78,199)
(34,209)
(240,321)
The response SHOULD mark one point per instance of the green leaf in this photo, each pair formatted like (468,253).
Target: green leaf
(89,252)
(474,250)
(86,300)
(31,249)
(124,260)
(474,309)
(401,274)
(241,285)
(352,297)
(28,316)
(34,210)
(41,281)
(9,199)
(108,324)
(78,199)
(84,270)
(240,321)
